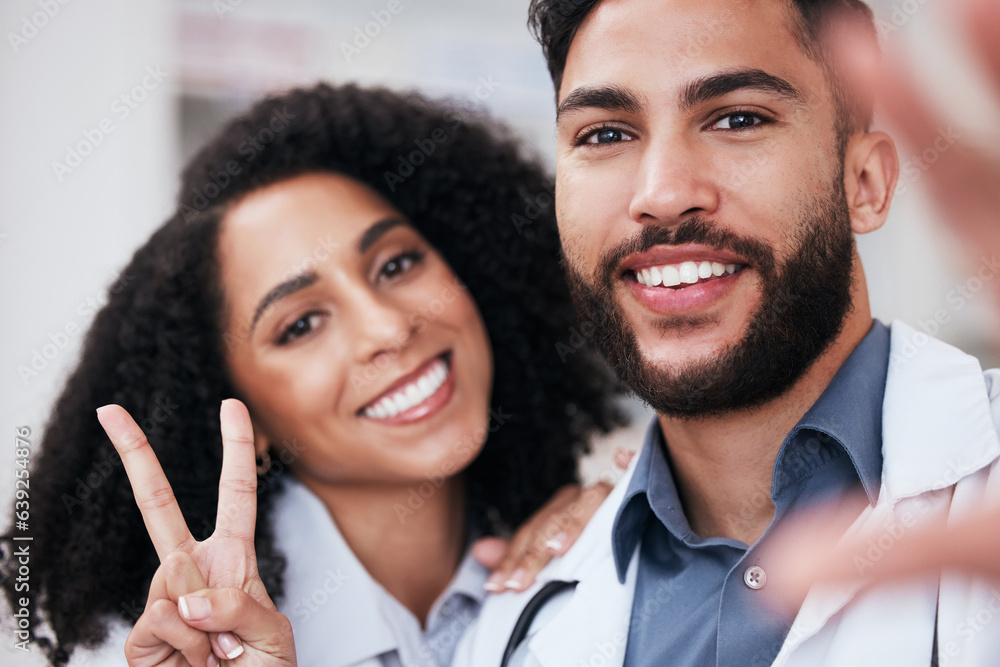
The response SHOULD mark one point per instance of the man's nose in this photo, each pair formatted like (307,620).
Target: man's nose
(671,185)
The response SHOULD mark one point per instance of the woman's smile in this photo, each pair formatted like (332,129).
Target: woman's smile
(416,395)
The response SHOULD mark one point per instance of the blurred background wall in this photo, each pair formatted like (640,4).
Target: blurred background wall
(103,100)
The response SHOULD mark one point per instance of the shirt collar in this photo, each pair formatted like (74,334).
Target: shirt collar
(331,600)
(849,410)
(635,511)
(469,581)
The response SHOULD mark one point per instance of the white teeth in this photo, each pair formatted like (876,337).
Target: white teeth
(671,276)
(656,276)
(687,273)
(411,395)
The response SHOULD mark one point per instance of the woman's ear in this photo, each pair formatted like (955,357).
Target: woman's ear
(871,169)
(261,448)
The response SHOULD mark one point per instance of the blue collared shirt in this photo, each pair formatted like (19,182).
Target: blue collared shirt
(692,606)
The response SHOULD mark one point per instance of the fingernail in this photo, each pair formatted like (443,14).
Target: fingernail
(555,544)
(516,580)
(495,583)
(230,645)
(194,608)
(212,661)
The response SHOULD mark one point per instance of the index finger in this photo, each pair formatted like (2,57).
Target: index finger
(237,514)
(164,521)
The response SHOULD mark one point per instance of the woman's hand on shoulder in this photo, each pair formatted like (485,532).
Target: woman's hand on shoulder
(207,603)
(550,532)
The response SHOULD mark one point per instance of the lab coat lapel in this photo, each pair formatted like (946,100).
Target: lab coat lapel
(937,428)
(594,622)
(592,628)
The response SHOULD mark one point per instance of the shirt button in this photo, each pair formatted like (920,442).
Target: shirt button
(755,577)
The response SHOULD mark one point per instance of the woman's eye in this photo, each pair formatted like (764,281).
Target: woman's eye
(738,121)
(300,327)
(606,135)
(400,264)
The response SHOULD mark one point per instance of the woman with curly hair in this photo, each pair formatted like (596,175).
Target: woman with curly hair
(373,276)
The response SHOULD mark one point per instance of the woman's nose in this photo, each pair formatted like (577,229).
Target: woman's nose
(382,326)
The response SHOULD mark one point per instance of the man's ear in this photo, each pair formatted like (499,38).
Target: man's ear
(871,168)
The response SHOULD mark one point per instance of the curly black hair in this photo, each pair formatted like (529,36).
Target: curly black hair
(156,348)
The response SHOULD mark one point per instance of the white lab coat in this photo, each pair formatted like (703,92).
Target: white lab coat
(940,447)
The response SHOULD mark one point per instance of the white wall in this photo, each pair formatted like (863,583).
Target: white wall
(62,240)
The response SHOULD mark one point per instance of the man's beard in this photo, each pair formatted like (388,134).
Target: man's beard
(804,304)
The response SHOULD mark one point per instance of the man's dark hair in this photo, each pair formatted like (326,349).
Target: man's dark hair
(555,22)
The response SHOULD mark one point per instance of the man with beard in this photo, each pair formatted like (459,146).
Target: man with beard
(712,171)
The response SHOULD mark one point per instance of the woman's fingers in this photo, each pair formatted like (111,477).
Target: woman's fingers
(177,575)
(164,521)
(548,533)
(983,25)
(160,634)
(237,514)
(231,610)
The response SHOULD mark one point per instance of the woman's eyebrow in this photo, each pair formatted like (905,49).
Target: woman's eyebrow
(376,231)
(280,291)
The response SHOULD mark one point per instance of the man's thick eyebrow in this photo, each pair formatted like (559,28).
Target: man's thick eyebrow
(375,232)
(609,98)
(717,85)
(280,291)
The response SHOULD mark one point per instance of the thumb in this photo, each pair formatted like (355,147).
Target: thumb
(232,610)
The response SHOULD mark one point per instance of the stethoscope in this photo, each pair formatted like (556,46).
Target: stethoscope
(528,614)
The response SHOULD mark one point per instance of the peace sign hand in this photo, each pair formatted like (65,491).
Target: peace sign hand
(202,587)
